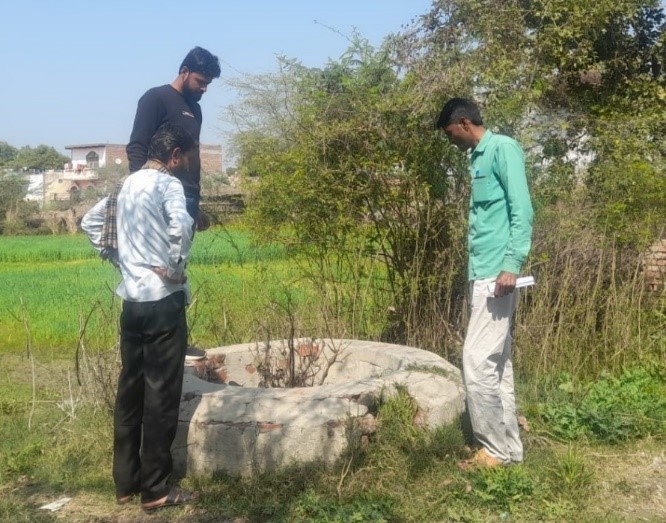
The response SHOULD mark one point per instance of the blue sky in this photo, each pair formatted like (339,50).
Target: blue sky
(74,69)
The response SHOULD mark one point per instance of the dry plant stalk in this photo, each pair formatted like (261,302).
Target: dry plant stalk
(296,363)
(28,345)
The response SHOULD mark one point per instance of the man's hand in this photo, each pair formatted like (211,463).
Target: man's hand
(162,273)
(505,284)
(203,221)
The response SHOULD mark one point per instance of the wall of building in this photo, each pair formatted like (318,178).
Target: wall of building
(59,185)
(78,156)
(116,155)
(108,154)
(211,158)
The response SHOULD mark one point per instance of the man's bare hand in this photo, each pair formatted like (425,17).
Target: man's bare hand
(203,221)
(505,284)
(162,273)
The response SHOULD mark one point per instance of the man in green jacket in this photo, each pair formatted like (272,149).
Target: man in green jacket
(499,239)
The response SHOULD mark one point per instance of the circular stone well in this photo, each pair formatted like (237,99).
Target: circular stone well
(240,428)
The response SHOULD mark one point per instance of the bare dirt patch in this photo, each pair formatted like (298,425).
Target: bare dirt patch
(631,482)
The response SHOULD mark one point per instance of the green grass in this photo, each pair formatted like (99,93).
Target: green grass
(58,442)
(406,474)
(217,245)
(51,285)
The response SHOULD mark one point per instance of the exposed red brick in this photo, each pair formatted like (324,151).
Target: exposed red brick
(310,350)
(266,426)
(222,375)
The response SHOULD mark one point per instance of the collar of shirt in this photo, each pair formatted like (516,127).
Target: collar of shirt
(157,165)
(481,146)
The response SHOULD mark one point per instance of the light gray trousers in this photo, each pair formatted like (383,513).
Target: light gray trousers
(488,373)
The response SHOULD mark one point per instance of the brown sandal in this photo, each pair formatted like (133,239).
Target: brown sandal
(124,500)
(174,498)
(481,460)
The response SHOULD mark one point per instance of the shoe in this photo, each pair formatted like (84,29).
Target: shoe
(174,498)
(481,460)
(194,354)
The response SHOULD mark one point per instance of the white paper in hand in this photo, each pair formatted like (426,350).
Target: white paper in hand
(523,281)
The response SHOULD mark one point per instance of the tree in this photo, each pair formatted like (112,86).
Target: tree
(348,162)
(13,189)
(568,78)
(349,167)
(41,158)
(7,154)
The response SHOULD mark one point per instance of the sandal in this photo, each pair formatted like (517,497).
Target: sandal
(174,498)
(481,460)
(124,500)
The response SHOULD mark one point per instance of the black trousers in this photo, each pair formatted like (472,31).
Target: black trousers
(153,339)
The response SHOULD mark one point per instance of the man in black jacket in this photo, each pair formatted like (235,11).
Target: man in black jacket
(176,103)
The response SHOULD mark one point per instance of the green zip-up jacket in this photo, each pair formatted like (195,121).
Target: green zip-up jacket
(500,211)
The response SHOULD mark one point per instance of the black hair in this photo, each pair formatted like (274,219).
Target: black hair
(457,108)
(167,138)
(201,61)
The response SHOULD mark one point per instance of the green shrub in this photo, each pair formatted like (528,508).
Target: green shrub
(614,409)
(313,508)
(503,486)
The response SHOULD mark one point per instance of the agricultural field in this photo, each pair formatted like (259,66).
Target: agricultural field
(53,286)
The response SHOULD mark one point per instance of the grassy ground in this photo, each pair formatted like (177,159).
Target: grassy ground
(55,436)
(405,475)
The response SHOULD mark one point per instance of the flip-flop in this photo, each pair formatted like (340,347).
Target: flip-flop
(175,497)
(124,500)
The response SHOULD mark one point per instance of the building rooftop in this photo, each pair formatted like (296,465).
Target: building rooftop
(94,145)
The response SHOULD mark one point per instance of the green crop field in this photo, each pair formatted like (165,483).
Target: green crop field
(52,286)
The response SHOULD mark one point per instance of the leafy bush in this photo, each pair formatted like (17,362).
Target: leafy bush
(614,409)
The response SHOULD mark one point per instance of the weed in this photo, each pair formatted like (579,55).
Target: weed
(396,421)
(310,507)
(464,515)
(503,486)
(22,461)
(439,371)
(614,409)
(570,475)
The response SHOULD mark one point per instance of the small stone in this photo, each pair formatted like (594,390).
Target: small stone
(217,360)
(420,418)
(367,424)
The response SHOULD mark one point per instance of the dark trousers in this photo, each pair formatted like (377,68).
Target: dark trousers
(153,339)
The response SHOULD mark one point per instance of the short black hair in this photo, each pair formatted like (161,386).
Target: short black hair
(167,138)
(201,61)
(457,108)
